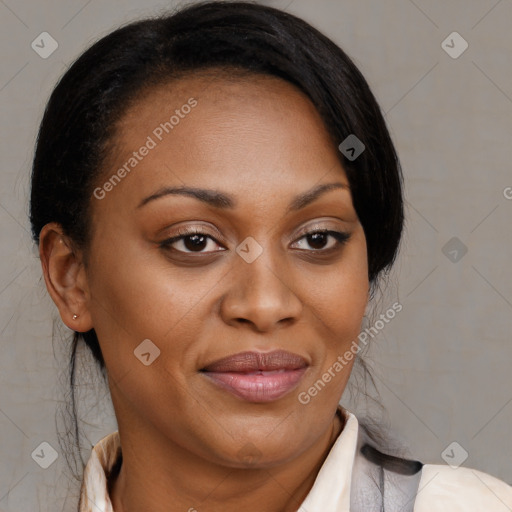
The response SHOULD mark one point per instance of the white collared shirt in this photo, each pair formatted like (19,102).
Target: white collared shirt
(441,488)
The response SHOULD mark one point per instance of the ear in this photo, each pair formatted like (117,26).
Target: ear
(65,277)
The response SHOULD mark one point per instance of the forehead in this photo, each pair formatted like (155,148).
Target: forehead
(236,131)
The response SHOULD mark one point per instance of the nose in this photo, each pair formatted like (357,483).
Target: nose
(261,295)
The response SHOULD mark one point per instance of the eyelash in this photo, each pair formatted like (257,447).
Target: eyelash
(340,236)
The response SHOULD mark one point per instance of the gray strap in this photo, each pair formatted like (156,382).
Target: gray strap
(380,482)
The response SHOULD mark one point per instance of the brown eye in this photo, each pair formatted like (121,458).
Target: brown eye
(194,242)
(319,239)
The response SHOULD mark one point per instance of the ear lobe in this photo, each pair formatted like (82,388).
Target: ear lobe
(65,279)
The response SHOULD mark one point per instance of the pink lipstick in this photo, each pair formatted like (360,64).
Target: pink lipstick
(258,376)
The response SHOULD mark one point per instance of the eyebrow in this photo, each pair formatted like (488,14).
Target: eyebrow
(226,201)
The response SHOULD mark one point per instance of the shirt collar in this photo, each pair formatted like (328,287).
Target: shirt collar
(330,491)
(94,494)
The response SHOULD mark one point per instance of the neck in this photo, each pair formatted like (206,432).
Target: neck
(175,480)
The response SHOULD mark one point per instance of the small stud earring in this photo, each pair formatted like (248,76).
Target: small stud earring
(75,317)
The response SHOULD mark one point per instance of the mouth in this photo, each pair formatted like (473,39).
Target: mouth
(257,376)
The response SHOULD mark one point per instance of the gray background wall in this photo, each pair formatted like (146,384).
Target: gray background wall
(442,365)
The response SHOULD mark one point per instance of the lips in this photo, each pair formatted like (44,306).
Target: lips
(257,376)
(254,361)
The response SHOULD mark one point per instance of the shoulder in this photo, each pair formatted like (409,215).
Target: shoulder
(443,488)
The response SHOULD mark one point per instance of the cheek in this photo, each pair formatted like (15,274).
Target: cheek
(133,301)
(339,314)
(338,309)
(340,295)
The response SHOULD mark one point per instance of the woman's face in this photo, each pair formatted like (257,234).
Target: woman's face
(251,283)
